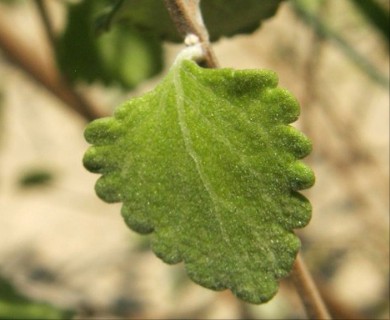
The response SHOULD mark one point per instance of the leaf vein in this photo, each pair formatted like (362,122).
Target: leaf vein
(192,153)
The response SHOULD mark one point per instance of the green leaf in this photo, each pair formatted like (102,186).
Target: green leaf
(238,16)
(124,55)
(208,163)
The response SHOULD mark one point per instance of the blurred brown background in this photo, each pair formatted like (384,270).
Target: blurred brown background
(61,244)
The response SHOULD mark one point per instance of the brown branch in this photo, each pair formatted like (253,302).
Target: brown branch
(43,71)
(188,20)
(45,18)
(307,290)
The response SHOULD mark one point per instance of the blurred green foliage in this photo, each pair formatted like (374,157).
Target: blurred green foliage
(125,56)
(222,18)
(35,177)
(119,42)
(11,2)
(14,305)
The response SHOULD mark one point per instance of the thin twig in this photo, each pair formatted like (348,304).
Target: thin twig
(43,71)
(188,20)
(324,31)
(307,290)
(106,20)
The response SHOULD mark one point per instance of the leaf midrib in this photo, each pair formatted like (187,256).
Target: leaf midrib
(215,199)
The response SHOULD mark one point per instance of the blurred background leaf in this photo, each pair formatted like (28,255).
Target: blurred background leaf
(222,18)
(35,177)
(123,56)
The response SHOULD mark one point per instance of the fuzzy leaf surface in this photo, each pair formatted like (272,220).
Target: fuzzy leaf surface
(238,16)
(207,163)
